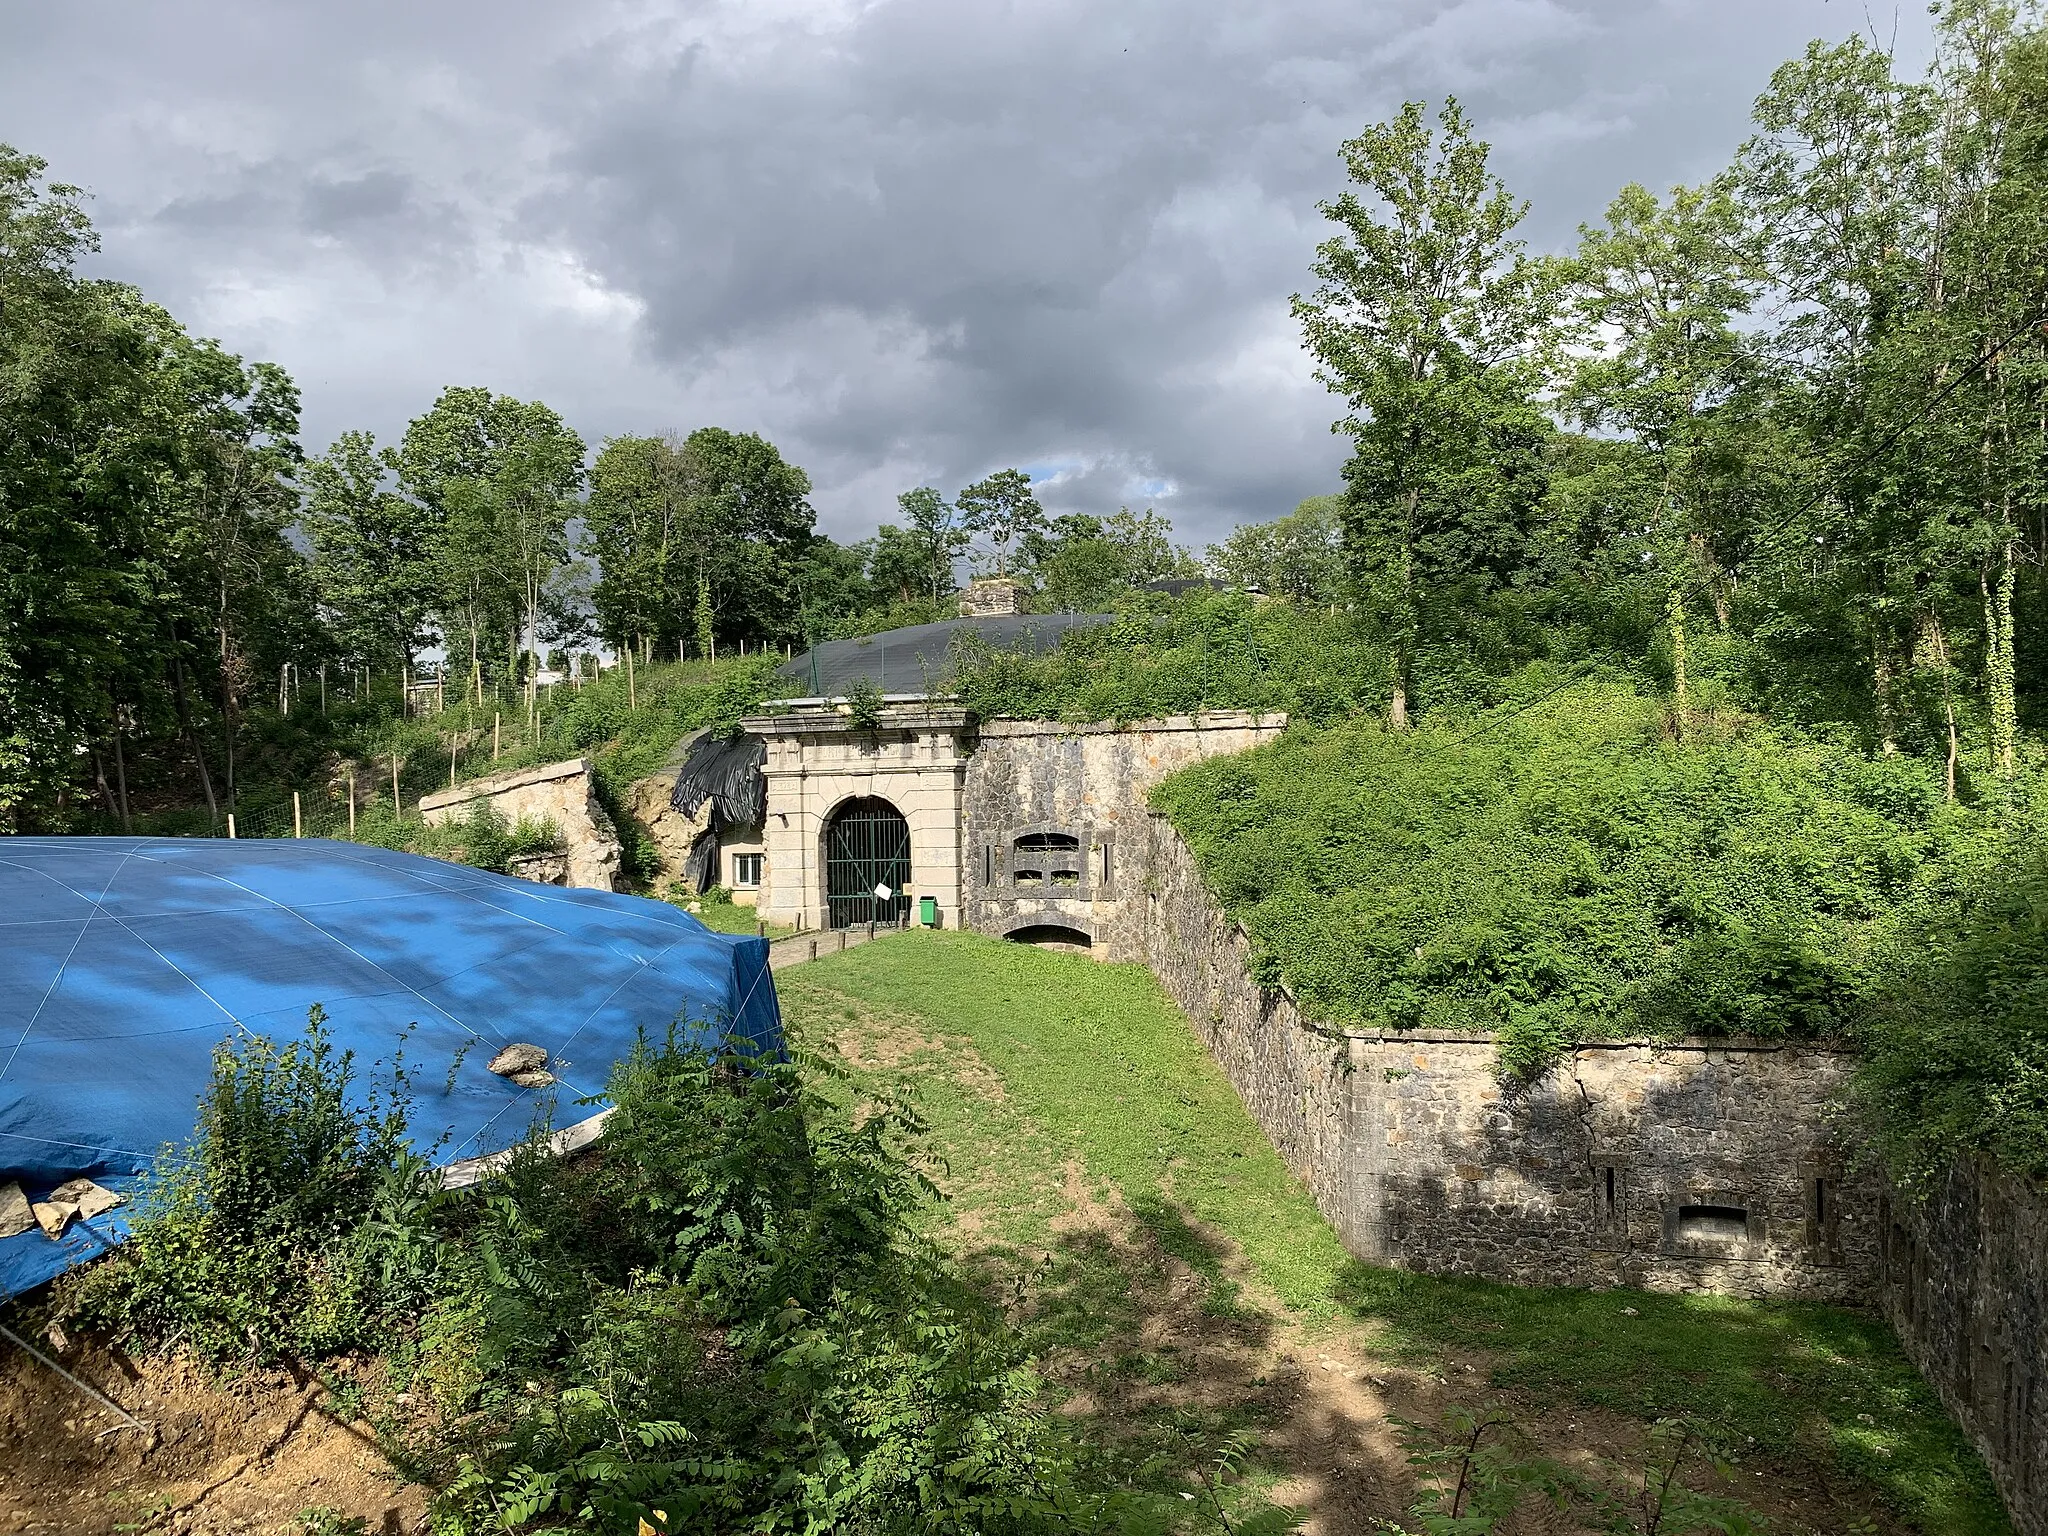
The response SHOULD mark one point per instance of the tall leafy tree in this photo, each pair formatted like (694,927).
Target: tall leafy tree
(371,551)
(1432,323)
(75,567)
(1659,287)
(499,476)
(938,537)
(1001,509)
(747,523)
(634,517)
(1299,556)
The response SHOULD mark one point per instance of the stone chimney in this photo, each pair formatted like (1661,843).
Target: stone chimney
(992,597)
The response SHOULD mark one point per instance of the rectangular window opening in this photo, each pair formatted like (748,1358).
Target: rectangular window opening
(1609,1171)
(746,871)
(1727,1223)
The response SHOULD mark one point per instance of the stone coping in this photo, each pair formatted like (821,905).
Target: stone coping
(825,722)
(1212,720)
(498,783)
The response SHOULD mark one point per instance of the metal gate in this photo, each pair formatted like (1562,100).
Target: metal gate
(867,845)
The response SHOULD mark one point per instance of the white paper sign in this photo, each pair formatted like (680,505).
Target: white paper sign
(883,893)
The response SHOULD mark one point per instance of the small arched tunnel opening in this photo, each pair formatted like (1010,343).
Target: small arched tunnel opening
(1052,936)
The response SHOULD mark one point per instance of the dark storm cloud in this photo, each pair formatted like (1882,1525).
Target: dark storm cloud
(911,240)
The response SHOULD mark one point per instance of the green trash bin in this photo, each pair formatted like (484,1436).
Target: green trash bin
(928,911)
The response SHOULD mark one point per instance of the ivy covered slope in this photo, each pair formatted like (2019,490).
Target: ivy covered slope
(1571,871)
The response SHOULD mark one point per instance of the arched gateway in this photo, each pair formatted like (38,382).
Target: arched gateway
(867,850)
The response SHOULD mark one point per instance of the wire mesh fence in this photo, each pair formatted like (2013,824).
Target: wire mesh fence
(412,736)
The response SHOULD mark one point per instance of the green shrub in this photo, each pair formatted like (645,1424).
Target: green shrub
(484,840)
(724,1311)
(766,1341)
(1173,656)
(1955,1045)
(279,1230)
(1570,871)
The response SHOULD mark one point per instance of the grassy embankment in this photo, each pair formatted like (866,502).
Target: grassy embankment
(1055,1086)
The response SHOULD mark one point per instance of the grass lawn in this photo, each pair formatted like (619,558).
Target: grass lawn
(1098,1162)
(726,916)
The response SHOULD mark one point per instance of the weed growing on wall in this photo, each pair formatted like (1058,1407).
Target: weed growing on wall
(1955,1043)
(1165,656)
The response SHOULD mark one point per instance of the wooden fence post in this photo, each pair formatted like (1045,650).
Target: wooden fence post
(497,726)
(298,823)
(397,805)
(351,800)
(231,824)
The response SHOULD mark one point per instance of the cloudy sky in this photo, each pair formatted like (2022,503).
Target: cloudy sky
(909,240)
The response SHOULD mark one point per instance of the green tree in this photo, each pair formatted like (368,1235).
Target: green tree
(371,549)
(1299,556)
(1432,323)
(938,536)
(1002,510)
(76,588)
(634,516)
(746,526)
(1658,287)
(499,476)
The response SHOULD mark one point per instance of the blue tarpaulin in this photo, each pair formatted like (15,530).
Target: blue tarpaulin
(125,961)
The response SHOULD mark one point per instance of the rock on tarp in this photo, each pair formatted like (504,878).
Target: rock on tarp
(125,961)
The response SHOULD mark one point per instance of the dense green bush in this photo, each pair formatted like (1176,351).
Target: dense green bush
(272,1233)
(1572,871)
(1165,656)
(723,1312)
(1955,1042)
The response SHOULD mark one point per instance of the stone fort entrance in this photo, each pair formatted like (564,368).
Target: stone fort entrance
(867,864)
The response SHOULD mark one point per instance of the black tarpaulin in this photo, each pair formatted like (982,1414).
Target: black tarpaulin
(726,770)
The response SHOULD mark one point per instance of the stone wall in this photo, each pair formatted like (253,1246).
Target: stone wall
(1043,781)
(563,793)
(1701,1165)
(672,833)
(1965,1284)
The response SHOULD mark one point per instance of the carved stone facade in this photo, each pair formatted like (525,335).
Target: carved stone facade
(563,793)
(914,758)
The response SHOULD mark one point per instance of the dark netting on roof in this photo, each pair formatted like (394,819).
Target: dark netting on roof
(919,660)
(727,772)
(125,960)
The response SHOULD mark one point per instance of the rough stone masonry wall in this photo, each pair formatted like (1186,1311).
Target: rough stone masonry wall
(563,793)
(1965,1284)
(1423,1160)
(1090,782)
(1624,1166)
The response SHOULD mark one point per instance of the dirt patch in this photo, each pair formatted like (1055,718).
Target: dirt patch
(872,1042)
(243,1458)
